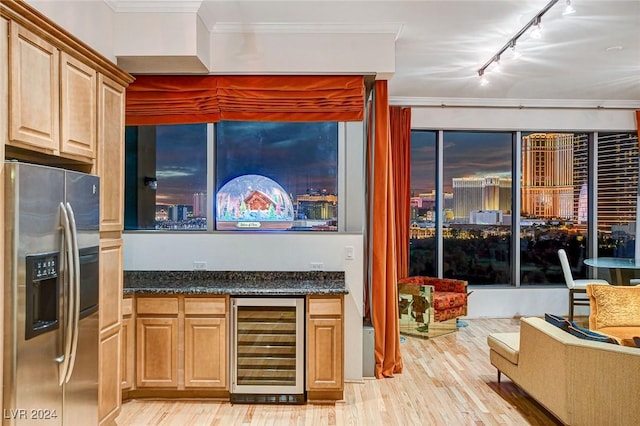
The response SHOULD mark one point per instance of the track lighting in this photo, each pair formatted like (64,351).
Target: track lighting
(569,9)
(515,54)
(534,25)
(536,31)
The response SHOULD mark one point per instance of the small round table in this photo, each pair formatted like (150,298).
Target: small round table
(617,267)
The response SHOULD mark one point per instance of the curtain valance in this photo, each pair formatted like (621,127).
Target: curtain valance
(198,99)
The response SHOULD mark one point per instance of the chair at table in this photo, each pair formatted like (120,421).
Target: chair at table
(575,286)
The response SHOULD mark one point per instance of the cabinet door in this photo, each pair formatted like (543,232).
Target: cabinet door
(111,153)
(110,284)
(109,393)
(324,351)
(78,108)
(128,355)
(205,352)
(34,93)
(156,352)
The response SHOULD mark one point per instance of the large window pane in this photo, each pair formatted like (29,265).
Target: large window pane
(477,226)
(276,176)
(617,191)
(554,205)
(422,244)
(166,177)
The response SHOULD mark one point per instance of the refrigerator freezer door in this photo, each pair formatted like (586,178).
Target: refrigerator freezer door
(83,194)
(81,392)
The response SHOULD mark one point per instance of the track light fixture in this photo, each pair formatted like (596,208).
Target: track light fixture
(533,24)
(569,9)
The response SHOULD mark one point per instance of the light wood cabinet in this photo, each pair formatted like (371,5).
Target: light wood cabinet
(181,342)
(205,352)
(128,345)
(34,113)
(325,348)
(111,259)
(110,284)
(205,342)
(110,156)
(78,107)
(109,394)
(157,352)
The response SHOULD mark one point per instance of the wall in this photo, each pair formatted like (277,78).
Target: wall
(89,21)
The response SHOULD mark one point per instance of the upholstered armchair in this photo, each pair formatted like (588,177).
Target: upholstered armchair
(444,298)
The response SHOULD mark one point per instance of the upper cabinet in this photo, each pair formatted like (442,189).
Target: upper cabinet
(34,109)
(77,107)
(65,103)
(111,98)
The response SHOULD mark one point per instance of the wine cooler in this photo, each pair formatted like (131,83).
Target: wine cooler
(267,350)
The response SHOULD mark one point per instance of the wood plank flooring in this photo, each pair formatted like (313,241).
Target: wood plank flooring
(446,380)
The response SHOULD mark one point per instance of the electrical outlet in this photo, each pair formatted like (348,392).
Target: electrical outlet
(199,265)
(348,252)
(317,266)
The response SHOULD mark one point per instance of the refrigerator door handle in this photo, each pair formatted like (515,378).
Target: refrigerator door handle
(69,300)
(75,283)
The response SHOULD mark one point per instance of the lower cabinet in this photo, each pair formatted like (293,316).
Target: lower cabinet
(181,342)
(157,354)
(325,348)
(205,342)
(128,343)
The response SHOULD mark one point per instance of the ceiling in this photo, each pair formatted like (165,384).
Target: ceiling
(589,57)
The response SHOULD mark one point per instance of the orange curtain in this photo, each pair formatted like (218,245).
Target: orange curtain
(384,274)
(172,99)
(291,98)
(200,99)
(400,119)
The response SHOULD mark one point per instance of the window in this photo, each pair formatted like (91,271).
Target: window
(617,191)
(422,233)
(477,220)
(272,175)
(266,176)
(166,177)
(565,199)
(555,195)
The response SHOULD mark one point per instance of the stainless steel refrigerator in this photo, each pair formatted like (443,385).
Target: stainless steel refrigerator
(50,296)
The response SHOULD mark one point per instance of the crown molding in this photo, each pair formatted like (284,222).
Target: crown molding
(514,103)
(135,6)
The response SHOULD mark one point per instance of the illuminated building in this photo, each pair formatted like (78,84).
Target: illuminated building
(617,179)
(317,206)
(480,193)
(199,204)
(547,175)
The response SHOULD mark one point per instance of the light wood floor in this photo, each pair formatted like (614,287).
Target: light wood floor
(446,380)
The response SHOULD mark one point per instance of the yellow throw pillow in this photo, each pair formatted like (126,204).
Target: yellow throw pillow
(615,306)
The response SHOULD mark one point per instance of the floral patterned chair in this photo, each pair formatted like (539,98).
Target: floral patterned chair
(447,298)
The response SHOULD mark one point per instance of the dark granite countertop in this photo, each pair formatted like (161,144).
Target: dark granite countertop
(240,283)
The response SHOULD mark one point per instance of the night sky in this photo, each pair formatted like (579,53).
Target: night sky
(299,156)
(302,157)
(466,154)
